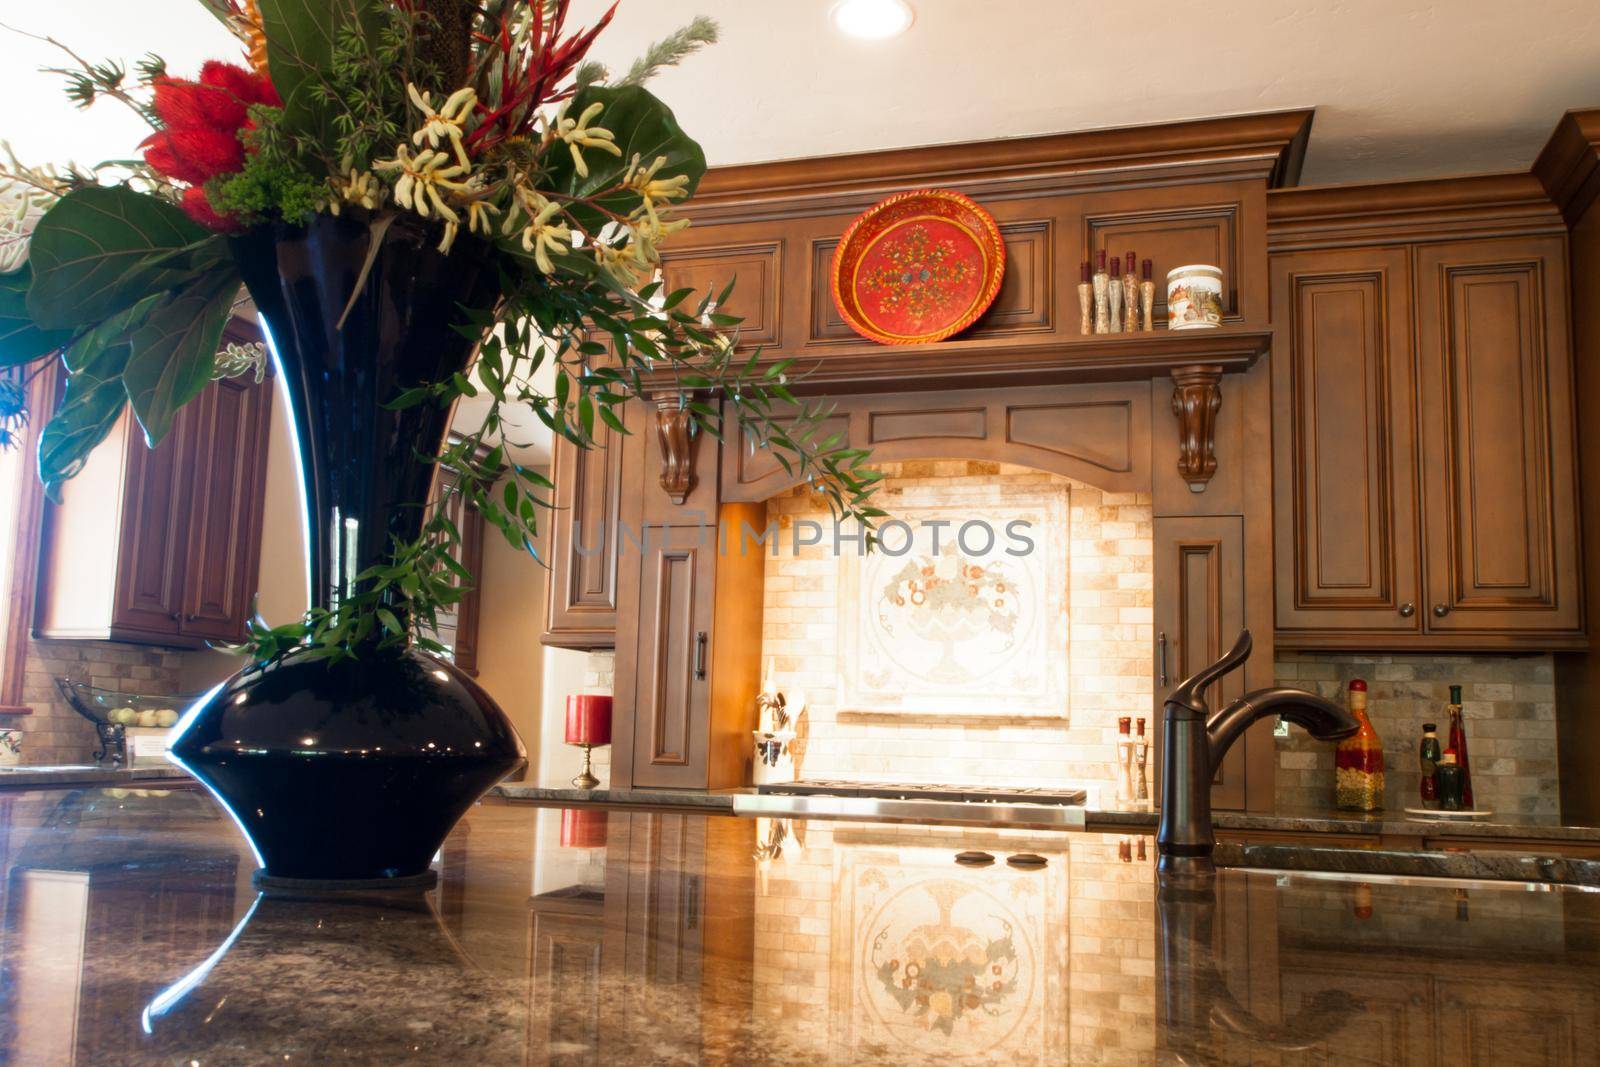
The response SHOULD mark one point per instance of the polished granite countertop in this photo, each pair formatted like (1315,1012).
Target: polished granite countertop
(26,776)
(134,935)
(1110,815)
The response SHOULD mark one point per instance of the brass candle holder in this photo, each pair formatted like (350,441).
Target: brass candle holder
(586,778)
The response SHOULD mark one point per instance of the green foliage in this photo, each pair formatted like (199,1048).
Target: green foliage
(99,250)
(94,396)
(302,37)
(273,184)
(21,341)
(138,295)
(671,50)
(171,353)
(560,320)
(644,127)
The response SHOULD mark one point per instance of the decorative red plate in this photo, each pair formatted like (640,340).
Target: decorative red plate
(918,267)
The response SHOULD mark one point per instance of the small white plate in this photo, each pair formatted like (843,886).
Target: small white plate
(1440,813)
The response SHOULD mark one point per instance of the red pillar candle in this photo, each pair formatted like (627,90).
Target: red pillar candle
(583,828)
(588,719)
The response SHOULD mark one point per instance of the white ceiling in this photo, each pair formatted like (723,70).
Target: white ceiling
(1401,90)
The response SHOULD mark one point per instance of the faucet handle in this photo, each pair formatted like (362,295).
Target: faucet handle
(1190,692)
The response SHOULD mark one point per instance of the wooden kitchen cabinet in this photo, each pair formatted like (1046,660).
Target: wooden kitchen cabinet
(1425,483)
(1500,500)
(1343,400)
(581,591)
(691,620)
(1199,613)
(162,546)
(677,586)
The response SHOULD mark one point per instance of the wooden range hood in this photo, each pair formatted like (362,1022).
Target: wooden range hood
(1181,416)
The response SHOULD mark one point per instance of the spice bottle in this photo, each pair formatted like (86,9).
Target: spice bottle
(1458,745)
(1428,759)
(1449,774)
(1358,761)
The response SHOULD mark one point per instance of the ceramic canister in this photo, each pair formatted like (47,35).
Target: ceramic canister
(1194,297)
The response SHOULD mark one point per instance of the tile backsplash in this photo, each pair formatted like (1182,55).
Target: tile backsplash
(54,733)
(1508,704)
(1101,550)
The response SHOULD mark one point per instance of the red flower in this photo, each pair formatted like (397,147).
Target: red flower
(198,207)
(201,123)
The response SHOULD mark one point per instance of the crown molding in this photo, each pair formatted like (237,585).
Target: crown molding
(1268,145)
(1569,164)
(1474,206)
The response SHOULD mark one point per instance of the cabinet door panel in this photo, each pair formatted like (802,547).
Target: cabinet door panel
(673,656)
(1199,595)
(582,597)
(150,565)
(1497,446)
(565,983)
(1516,1022)
(1344,439)
(226,469)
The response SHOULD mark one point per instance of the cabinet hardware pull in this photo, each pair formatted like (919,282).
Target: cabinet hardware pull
(174,616)
(1161,643)
(1407,610)
(700,654)
(1440,610)
(191,618)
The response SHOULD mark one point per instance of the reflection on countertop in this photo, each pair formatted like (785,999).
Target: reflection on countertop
(132,935)
(56,776)
(1100,814)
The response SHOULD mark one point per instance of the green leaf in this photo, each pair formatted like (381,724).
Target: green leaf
(21,341)
(89,409)
(300,44)
(99,250)
(643,126)
(172,353)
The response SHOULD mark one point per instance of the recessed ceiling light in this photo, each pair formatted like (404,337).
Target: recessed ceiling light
(873,20)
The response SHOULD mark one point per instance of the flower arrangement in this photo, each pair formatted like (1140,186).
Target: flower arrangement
(486,121)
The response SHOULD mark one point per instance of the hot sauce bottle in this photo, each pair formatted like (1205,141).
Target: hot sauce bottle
(1358,761)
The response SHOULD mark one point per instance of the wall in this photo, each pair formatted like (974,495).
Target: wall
(1108,663)
(1508,705)
(510,603)
(567,672)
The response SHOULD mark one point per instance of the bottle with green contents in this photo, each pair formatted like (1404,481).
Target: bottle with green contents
(1428,760)
(1449,774)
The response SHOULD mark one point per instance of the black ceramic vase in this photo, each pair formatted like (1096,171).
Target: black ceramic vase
(355,771)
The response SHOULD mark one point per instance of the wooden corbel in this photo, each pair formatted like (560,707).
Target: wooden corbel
(673,434)
(1196,399)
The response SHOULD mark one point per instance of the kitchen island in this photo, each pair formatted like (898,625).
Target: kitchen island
(637,935)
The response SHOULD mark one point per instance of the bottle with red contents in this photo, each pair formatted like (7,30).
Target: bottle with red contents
(1458,745)
(1358,761)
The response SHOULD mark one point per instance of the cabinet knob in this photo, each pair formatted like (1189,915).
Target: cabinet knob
(1441,610)
(174,616)
(191,618)
(1407,610)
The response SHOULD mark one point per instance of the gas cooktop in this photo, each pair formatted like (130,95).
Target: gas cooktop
(977,794)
